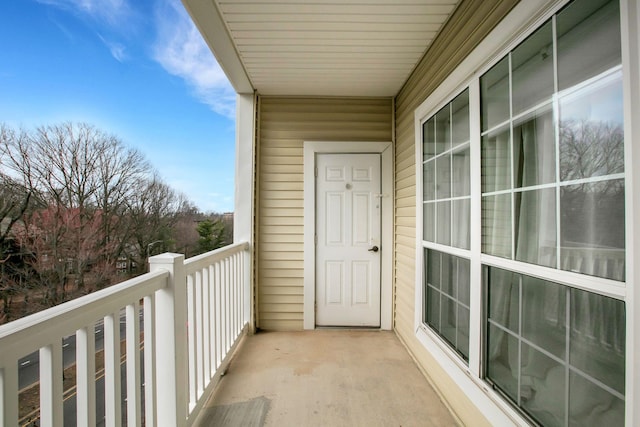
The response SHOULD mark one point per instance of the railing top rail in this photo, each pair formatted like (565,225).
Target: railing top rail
(208,258)
(31,332)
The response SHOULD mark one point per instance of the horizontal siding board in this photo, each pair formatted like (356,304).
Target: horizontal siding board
(406,211)
(281,168)
(285,123)
(283,186)
(281,203)
(270,287)
(289,221)
(280,195)
(469,24)
(268,299)
(281,325)
(405,221)
(281,247)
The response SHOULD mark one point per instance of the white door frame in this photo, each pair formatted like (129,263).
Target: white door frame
(311,149)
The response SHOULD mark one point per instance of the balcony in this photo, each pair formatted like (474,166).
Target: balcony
(165,340)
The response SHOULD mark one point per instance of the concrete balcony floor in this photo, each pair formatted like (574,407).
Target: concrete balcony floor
(324,378)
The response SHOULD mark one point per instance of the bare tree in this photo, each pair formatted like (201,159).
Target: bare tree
(153,213)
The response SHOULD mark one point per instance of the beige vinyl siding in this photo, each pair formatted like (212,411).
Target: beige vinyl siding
(471,22)
(284,123)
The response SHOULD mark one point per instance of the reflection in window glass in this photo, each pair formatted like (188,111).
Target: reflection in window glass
(429,185)
(446,172)
(529,363)
(535,226)
(443,177)
(443,130)
(428,139)
(594,316)
(443,230)
(429,222)
(588,40)
(591,130)
(460,119)
(494,89)
(496,225)
(546,299)
(532,65)
(496,158)
(461,233)
(592,229)
(446,306)
(534,149)
(568,144)
(461,181)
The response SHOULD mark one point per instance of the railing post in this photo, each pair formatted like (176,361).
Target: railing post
(247,295)
(171,342)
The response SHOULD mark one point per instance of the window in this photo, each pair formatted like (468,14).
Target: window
(446,174)
(447,299)
(446,206)
(552,146)
(556,352)
(553,195)
(548,221)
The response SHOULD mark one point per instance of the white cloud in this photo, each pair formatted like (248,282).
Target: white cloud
(111,11)
(118,50)
(180,49)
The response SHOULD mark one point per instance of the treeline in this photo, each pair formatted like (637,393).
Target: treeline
(80,211)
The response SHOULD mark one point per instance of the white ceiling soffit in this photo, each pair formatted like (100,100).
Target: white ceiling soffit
(318,47)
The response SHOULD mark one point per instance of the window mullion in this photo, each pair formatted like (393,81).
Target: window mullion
(476,316)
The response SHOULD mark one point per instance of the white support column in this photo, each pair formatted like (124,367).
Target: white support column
(171,342)
(244,196)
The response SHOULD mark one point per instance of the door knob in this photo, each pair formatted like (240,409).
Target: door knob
(373,249)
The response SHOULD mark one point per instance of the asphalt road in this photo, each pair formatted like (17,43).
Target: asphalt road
(29,374)
(29,366)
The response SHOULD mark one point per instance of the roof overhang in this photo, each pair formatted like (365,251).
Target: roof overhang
(319,48)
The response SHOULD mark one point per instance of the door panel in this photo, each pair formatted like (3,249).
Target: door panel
(347,228)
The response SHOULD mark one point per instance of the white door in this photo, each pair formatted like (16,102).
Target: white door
(348,248)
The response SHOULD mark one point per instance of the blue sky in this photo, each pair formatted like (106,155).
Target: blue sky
(135,68)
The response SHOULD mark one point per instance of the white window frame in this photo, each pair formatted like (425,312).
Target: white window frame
(522,21)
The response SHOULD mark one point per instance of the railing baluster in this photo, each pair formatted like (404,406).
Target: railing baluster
(218,314)
(86,376)
(206,321)
(9,395)
(229,302)
(149,362)
(232,284)
(191,339)
(134,413)
(199,336)
(212,318)
(236,284)
(112,382)
(51,384)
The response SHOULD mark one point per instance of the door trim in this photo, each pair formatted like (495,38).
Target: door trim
(311,148)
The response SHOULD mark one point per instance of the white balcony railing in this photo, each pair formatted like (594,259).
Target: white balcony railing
(191,314)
